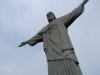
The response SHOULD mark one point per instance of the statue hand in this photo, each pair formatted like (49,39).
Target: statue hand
(22,44)
(85,1)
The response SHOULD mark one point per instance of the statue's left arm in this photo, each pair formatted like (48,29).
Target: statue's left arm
(71,17)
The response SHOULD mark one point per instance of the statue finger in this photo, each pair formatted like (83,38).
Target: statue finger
(19,45)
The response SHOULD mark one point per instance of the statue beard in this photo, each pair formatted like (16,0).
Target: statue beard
(50,19)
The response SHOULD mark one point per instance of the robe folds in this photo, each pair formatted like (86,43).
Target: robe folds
(57,44)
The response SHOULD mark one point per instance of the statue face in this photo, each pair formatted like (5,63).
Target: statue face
(50,16)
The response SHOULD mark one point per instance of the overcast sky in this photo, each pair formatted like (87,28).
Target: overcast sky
(22,19)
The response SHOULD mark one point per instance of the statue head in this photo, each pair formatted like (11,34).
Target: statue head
(50,16)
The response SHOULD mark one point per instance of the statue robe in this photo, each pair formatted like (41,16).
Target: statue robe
(57,44)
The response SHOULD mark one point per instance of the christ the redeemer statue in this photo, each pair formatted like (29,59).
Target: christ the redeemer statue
(58,48)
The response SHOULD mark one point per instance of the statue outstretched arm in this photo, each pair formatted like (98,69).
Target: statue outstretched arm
(37,38)
(34,40)
(72,16)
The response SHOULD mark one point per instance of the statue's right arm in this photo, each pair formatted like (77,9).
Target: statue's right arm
(37,38)
(33,41)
